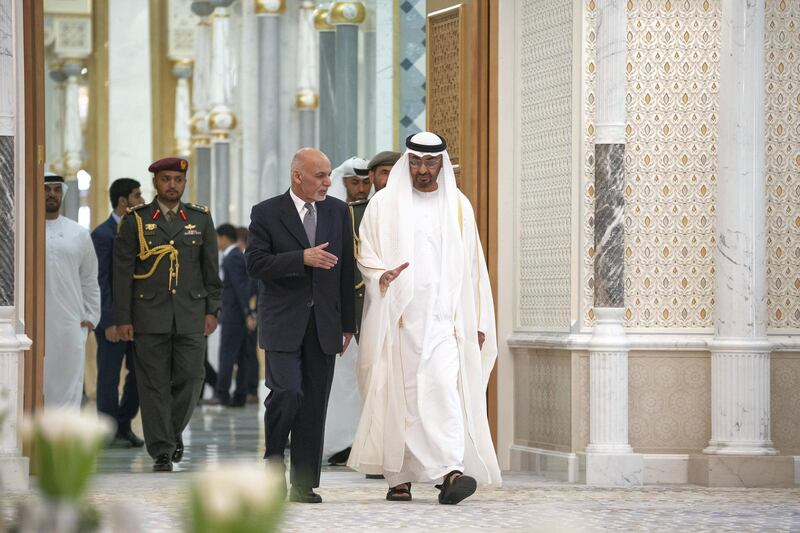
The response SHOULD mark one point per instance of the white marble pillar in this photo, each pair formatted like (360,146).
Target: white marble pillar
(307,99)
(13,466)
(346,16)
(54,109)
(201,101)
(221,119)
(609,459)
(327,66)
(269,92)
(740,352)
(182,70)
(73,136)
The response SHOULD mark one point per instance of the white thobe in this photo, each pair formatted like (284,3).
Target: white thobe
(430,360)
(72,296)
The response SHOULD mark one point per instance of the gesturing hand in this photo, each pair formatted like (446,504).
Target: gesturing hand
(390,275)
(317,257)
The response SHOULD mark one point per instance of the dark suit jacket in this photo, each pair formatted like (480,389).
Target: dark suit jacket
(103,240)
(288,290)
(236,289)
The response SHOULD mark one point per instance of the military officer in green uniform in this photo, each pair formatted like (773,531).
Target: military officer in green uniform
(377,173)
(166,300)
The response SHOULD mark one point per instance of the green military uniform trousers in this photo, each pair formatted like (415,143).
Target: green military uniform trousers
(172,373)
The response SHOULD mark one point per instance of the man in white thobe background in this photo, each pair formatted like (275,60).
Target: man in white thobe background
(72,300)
(428,335)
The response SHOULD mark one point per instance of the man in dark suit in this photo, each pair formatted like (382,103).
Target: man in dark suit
(301,252)
(111,351)
(236,293)
(253,365)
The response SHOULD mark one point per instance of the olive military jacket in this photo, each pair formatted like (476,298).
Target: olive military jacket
(165,272)
(357,210)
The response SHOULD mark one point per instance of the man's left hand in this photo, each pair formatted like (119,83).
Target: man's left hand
(347,338)
(481,338)
(87,324)
(211,325)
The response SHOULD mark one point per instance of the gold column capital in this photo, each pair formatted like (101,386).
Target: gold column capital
(270,7)
(321,19)
(306,100)
(348,13)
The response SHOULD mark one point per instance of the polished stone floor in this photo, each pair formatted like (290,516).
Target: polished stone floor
(148,502)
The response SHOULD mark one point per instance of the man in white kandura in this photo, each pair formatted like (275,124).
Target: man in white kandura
(428,335)
(72,300)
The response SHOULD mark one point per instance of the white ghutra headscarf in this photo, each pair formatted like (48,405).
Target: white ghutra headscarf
(355,166)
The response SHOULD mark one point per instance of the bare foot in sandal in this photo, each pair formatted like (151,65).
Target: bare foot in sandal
(399,493)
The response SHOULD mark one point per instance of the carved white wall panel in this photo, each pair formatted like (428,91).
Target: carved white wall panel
(670,164)
(73,36)
(182,23)
(544,137)
(782,108)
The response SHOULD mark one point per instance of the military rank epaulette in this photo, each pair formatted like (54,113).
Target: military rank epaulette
(358,202)
(197,207)
(137,207)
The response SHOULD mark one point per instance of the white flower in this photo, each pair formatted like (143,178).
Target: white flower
(59,426)
(226,491)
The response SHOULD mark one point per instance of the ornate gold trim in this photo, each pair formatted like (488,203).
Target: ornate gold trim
(321,20)
(305,100)
(351,13)
(268,7)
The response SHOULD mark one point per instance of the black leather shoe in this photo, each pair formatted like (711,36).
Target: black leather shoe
(162,464)
(339,458)
(129,436)
(301,495)
(237,402)
(177,455)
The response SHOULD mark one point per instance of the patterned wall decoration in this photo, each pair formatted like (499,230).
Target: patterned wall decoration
(544,148)
(785,402)
(411,58)
(670,164)
(782,107)
(445,80)
(542,402)
(669,402)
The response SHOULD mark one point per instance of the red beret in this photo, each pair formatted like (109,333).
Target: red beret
(178,164)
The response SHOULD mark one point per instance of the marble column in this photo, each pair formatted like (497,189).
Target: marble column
(221,120)
(346,16)
(269,91)
(609,459)
(13,466)
(327,65)
(182,70)
(201,98)
(368,133)
(307,97)
(73,137)
(740,352)
(54,109)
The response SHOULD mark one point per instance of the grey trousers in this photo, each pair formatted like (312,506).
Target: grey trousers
(169,375)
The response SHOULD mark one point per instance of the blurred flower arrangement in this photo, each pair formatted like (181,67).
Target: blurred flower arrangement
(237,498)
(65,445)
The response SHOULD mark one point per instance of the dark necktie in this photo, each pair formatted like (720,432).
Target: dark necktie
(310,224)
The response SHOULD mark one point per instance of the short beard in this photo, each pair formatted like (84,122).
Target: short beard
(52,210)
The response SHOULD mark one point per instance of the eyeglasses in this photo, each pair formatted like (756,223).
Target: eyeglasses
(429,163)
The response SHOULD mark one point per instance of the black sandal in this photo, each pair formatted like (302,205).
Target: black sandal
(455,489)
(400,493)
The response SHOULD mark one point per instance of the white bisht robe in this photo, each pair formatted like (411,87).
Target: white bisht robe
(72,296)
(414,443)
